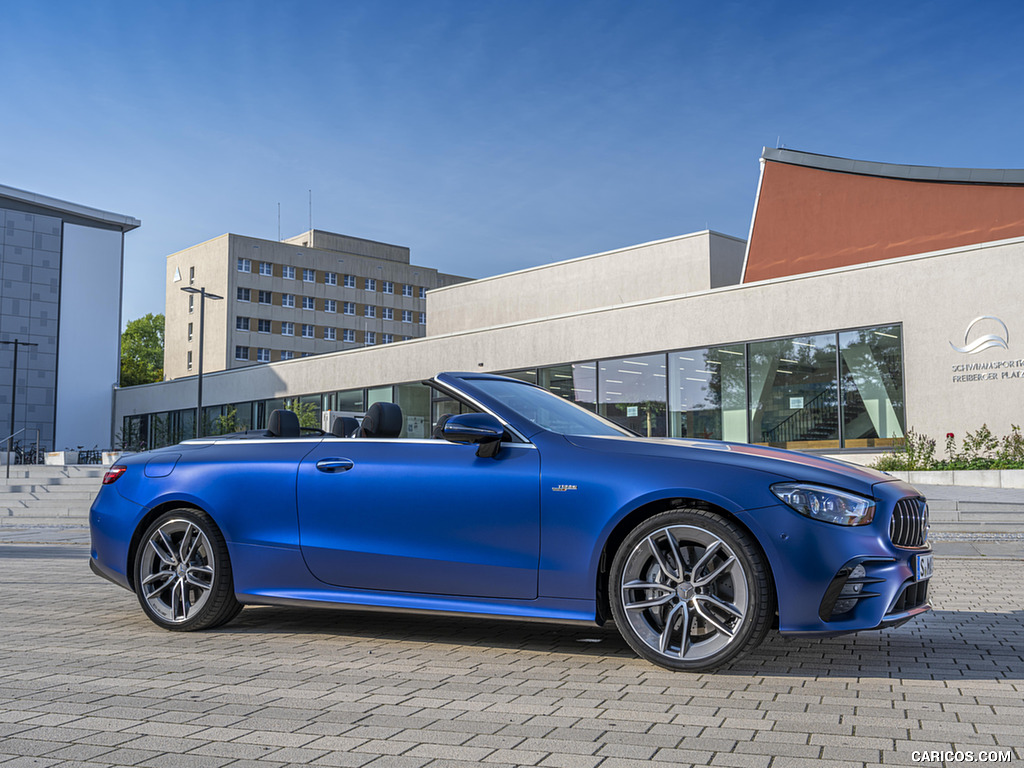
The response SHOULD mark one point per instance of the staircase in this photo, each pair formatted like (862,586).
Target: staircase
(40,495)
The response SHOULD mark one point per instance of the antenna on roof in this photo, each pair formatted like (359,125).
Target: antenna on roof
(778,142)
(279,222)
(311,210)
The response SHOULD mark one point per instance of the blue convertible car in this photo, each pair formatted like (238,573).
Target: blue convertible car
(522,505)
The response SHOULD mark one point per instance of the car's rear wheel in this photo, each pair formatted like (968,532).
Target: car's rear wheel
(183,572)
(690,591)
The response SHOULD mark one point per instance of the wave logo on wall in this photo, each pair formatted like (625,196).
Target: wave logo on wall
(988,341)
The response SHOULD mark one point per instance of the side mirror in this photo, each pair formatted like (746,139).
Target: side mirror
(480,429)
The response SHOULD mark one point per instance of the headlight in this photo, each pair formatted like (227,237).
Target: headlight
(826,504)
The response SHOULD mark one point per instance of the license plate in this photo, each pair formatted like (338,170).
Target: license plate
(923,567)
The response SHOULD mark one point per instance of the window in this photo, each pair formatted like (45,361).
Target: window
(331,334)
(266,269)
(287,329)
(349,308)
(190,333)
(793,391)
(371,284)
(389,338)
(263,326)
(371,338)
(307,331)
(330,278)
(241,353)
(245,265)
(287,272)
(350,281)
(241,323)
(287,354)
(406,315)
(287,300)
(191,275)
(389,287)
(264,297)
(244,294)
(309,275)
(707,393)
(405,338)
(348,335)
(407,291)
(632,393)
(308,302)
(190,359)
(423,318)
(307,354)
(423,292)
(330,305)
(369,311)
(262,355)
(871,377)
(389,313)
(191,302)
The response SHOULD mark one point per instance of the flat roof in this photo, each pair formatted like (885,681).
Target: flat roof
(895,171)
(122,222)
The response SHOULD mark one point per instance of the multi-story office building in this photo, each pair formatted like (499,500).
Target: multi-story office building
(313,293)
(60,299)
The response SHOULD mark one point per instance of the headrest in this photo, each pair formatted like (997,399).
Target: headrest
(283,423)
(344,426)
(382,420)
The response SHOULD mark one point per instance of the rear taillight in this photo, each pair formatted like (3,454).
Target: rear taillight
(113,473)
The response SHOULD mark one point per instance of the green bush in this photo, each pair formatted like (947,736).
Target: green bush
(980,450)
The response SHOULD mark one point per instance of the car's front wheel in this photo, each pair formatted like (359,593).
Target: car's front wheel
(690,591)
(183,572)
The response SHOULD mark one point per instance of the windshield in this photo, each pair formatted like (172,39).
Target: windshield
(547,410)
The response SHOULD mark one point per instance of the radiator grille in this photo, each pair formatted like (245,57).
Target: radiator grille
(909,526)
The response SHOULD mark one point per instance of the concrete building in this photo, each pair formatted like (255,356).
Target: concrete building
(314,293)
(870,299)
(60,291)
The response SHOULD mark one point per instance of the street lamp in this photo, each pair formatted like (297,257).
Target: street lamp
(203,296)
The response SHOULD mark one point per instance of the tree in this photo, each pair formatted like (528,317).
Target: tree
(142,351)
(308,413)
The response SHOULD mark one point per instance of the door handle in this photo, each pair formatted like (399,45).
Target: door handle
(335,465)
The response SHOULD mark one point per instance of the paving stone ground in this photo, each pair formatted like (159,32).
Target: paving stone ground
(86,680)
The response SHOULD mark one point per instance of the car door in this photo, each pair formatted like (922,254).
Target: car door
(424,516)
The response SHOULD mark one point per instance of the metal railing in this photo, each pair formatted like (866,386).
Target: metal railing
(35,454)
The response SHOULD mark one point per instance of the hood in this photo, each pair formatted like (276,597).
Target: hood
(783,464)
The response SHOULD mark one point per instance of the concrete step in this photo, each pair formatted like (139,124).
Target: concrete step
(42,493)
(43,473)
(68,515)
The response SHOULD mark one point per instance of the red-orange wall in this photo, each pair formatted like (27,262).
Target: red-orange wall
(809,219)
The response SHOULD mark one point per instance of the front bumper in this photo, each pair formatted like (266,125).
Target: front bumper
(833,579)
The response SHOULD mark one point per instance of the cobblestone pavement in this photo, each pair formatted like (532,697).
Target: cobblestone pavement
(86,680)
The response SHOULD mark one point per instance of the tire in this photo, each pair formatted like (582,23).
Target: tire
(717,607)
(183,573)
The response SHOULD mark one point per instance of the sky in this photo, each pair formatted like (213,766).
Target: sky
(486,136)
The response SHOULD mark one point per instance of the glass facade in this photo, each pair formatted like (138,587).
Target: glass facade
(825,391)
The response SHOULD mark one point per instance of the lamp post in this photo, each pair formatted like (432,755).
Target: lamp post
(14,394)
(203,296)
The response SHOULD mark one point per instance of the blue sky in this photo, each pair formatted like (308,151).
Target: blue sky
(486,136)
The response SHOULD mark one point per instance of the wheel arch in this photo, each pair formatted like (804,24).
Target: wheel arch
(145,522)
(647,510)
